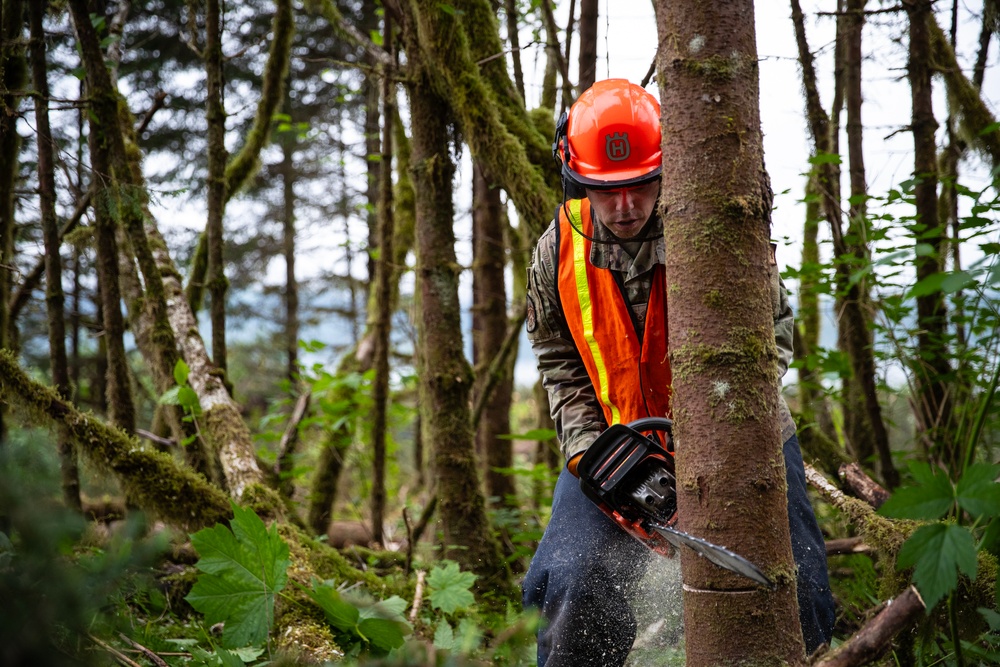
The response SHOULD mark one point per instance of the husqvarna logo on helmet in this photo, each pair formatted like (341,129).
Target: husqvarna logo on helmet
(617,147)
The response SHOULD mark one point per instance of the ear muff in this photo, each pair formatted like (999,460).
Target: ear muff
(560,147)
(560,152)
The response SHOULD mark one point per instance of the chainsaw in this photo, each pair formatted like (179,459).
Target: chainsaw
(629,473)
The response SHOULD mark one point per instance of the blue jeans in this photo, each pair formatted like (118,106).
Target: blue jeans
(586,570)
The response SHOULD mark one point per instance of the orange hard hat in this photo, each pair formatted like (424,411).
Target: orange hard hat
(611,136)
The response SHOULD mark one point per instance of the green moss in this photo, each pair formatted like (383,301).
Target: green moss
(737,366)
(716,68)
(303,634)
(263,500)
(714,299)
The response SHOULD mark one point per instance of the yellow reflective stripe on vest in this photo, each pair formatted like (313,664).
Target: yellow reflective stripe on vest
(587,310)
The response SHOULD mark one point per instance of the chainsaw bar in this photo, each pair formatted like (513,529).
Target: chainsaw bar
(721,556)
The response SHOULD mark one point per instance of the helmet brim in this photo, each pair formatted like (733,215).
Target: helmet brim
(614,180)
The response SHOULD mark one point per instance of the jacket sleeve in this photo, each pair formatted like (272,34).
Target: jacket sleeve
(784,319)
(575,409)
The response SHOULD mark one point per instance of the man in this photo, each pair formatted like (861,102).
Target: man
(597,323)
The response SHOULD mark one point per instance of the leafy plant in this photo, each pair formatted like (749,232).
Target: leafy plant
(183,395)
(377,627)
(939,551)
(450,587)
(243,568)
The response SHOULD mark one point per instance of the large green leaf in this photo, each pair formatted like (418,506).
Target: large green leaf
(339,613)
(977,492)
(938,552)
(381,624)
(450,587)
(382,633)
(243,568)
(929,499)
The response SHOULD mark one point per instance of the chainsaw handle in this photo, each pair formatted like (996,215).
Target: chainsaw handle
(652,424)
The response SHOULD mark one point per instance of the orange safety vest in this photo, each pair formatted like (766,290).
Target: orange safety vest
(631,378)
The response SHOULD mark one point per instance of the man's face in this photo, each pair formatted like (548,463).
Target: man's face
(626,210)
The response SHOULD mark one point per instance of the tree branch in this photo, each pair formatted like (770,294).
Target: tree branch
(151,479)
(862,486)
(873,638)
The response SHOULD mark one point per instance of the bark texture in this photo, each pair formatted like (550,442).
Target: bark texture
(215,115)
(716,204)
(13,76)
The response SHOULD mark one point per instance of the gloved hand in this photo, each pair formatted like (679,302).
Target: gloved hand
(573,463)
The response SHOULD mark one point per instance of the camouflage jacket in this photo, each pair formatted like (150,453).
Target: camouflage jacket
(575,409)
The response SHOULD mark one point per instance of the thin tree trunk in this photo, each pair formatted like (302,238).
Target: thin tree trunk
(489,331)
(373,150)
(716,202)
(383,301)
(243,163)
(514,39)
(853,321)
(215,114)
(988,26)
(587,68)
(568,96)
(932,368)
(857,430)
(118,388)
(857,220)
(446,379)
(288,201)
(338,441)
(54,297)
(817,435)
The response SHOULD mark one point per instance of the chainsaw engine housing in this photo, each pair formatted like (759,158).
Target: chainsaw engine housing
(629,473)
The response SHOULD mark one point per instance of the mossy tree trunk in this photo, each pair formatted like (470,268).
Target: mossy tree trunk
(163,331)
(383,301)
(854,324)
(932,369)
(215,115)
(486,105)
(118,387)
(13,76)
(489,331)
(446,379)
(54,297)
(717,202)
